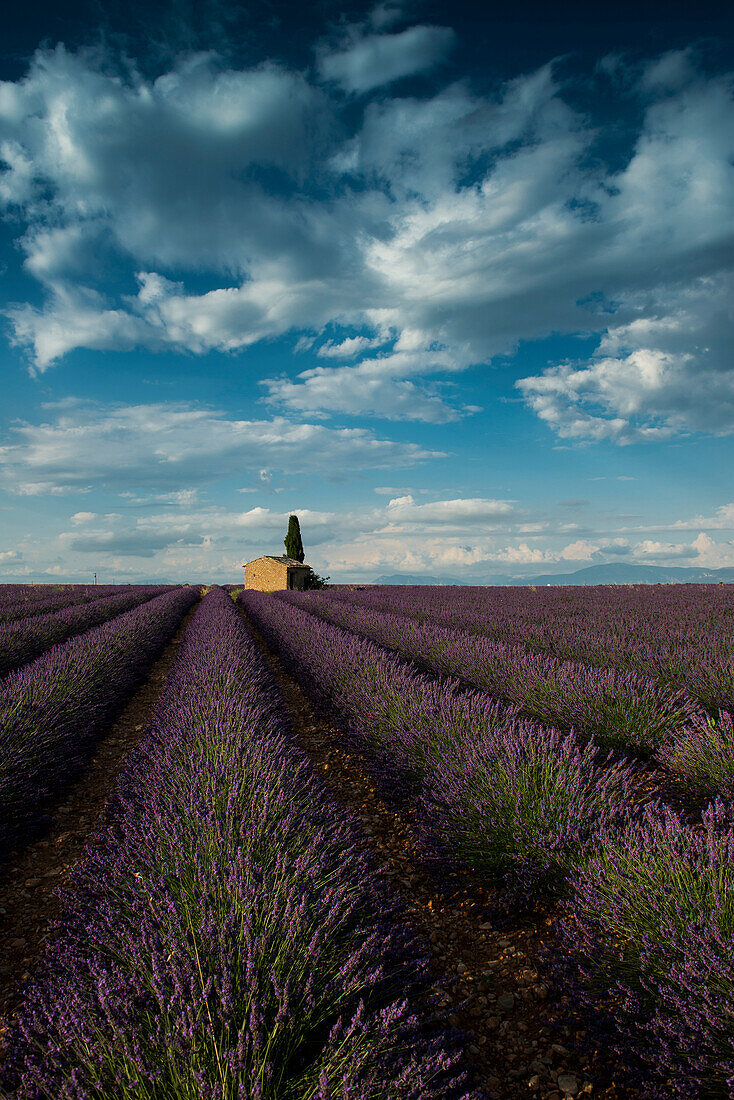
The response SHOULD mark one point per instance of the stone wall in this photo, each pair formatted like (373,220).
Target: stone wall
(266,575)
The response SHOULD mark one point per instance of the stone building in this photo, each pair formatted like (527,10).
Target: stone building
(270,574)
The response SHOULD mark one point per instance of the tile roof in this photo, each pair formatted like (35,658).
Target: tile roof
(290,562)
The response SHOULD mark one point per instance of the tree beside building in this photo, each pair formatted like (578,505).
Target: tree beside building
(292,541)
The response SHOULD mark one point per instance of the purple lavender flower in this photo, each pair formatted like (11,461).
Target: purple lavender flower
(228,935)
(619,709)
(525,802)
(703,753)
(501,794)
(680,635)
(652,916)
(52,709)
(24,639)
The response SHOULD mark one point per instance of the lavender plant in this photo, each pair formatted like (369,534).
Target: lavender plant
(23,640)
(28,593)
(652,916)
(618,709)
(703,754)
(67,596)
(228,936)
(51,710)
(395,715)
(525,802)
(680,635)
(501,794)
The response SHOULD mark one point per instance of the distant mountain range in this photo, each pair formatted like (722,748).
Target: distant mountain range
(607,573)
(618,572)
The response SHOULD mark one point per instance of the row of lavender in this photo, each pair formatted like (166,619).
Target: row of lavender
(227,936)
(63,596)
(682,635)
(550,615)
(649,899)
(26,597)
(619,710)
(52,709)
(24,639)
(14,593)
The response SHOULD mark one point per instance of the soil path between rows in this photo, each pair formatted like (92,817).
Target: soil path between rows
(32,877)
(489,979)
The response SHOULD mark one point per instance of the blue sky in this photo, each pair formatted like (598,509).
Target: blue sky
(454,285)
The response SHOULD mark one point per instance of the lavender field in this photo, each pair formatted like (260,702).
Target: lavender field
(390,842)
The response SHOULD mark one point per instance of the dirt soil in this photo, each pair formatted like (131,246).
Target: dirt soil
(32,877)
(490,980)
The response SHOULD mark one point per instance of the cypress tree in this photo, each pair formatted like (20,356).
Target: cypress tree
(292,541)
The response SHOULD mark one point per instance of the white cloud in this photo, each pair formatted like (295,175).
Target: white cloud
(722,518)
(671,71)
(377,386)
(403,514)
(650,548)
(374,60)
(348,348)
(471,510)
(456,225)
(651,378)
(389,530)
(581,550)
(386,15)
(37,488)
(703,551)
(524,554)
(177,446)
(217,529)
(178,534)
(710,552)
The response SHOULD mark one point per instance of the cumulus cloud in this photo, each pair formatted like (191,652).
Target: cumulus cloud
(651,378)
(702,551)
(174,533)
(177,446)
(650,548)
(581,550)
(460,222)
(390,530)
(722,518)
(523,554)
